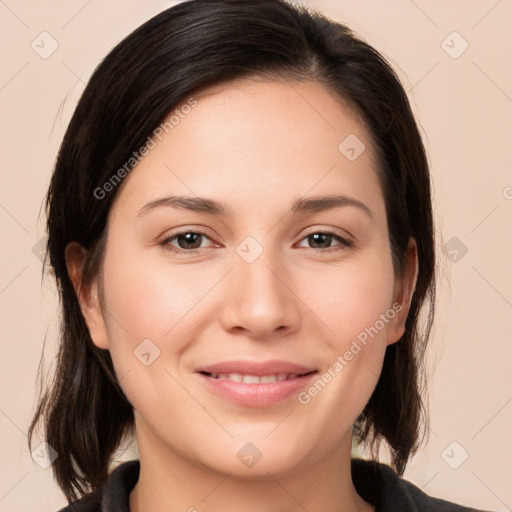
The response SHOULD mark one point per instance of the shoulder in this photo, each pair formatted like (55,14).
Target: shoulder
(379,485)
(88,503)
(114,496)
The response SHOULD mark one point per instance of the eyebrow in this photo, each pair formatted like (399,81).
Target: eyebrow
(212,207)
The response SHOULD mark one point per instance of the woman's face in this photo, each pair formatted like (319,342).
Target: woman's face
(269,283)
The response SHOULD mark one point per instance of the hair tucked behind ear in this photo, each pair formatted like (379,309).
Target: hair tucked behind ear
(190,46)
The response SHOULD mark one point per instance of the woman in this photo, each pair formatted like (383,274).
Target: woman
(240,226)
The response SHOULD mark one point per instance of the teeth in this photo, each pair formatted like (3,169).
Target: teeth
(253,379)
(250,379)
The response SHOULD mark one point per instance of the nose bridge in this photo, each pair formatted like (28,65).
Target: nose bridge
(259,301)
(257,267)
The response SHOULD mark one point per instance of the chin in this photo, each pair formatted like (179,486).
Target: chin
(252,456)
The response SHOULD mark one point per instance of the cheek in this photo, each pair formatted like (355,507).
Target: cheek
(357,307)
(152,310)
(151,299)
(352,297)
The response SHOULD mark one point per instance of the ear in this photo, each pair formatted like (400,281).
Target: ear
(87,296)
(403,292)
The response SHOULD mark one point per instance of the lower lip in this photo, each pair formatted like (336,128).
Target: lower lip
(257,395)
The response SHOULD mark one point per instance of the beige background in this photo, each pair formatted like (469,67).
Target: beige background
(464,106)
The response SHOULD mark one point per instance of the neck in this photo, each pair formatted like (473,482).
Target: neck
(167,480)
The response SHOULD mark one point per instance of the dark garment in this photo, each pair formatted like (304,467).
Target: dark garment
(377,483)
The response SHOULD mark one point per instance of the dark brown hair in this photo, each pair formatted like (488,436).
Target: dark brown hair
(188,47)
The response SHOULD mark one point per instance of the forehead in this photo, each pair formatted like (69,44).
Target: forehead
(251,141)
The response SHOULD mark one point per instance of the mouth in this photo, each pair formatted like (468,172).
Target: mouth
(256,384)
(256,379)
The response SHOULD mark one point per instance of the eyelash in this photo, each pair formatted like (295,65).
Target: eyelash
(344,243)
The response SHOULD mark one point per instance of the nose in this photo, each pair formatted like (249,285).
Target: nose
(259,298)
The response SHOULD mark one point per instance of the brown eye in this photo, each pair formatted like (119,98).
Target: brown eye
(187,241)
(323,239)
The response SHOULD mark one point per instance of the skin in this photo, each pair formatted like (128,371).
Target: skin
(256,146)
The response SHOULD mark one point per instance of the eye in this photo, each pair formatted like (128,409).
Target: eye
(190,242)
(324,238)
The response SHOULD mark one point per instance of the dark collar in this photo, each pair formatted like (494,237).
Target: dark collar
(377,483)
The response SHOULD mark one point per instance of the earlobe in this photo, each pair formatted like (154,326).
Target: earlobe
(404,290)
(87,295)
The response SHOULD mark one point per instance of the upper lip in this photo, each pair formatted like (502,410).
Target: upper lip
(256,368)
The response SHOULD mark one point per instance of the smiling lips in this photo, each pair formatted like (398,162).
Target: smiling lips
(256,384)
(253,379)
